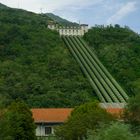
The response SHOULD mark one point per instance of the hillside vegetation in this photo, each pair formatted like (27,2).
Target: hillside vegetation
(119,50)
(2,6)
(35,66)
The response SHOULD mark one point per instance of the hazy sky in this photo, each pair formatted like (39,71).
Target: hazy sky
(123,12)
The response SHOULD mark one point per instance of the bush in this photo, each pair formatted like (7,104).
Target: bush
(114,131)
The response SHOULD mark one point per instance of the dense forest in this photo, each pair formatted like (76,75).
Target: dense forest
(119,50)
(35,66)
(37,70)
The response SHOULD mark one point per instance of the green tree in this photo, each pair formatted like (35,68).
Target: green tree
(17,123)
(114,131)
(35,66)
(132,113)
(83,118)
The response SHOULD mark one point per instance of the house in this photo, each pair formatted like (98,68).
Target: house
(48,118)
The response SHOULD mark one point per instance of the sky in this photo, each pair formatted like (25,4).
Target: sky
(123,12)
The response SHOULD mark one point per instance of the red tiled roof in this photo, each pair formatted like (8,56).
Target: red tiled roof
(115,111)
(55,115)
(60,115)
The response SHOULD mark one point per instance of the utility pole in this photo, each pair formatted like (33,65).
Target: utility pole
(41,10)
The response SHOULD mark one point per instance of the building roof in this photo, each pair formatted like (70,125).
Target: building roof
(115,111)
(84,24)
(51,115)
(60,115)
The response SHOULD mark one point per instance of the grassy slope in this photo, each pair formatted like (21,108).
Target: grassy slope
(119,50)
(35,66)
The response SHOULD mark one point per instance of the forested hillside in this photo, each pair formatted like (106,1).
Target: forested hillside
(119,50)
(35,66)
(2,6)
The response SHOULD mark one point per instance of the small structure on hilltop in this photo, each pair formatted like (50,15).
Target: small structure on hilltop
(78,30)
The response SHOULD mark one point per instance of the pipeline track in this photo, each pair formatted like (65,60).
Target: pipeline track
(103,83)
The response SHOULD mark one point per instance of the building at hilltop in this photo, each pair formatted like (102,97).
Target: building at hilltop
(78,30)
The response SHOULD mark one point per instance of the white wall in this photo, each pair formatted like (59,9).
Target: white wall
(40,130)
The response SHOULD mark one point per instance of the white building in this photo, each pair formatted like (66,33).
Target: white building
(78,30)
(47,119)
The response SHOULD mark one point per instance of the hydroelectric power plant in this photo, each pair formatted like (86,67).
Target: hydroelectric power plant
(78,30)
(109,92)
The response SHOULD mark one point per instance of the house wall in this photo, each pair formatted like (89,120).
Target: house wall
(40,128)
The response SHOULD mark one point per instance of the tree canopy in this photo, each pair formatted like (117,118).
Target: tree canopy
(35,66)
(114,131)
(16,123)
(89,116)
(132,113)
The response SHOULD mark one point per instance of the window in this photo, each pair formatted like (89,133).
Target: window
(48,130)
